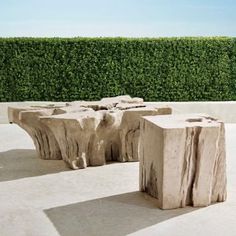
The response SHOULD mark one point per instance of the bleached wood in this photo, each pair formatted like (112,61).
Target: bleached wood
(182,160)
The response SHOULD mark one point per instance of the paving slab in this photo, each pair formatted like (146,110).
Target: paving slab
(45,198)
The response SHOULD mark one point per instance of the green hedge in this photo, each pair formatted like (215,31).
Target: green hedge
(233,70)
(160,69)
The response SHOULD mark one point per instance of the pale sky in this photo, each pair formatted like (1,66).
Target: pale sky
(112,18)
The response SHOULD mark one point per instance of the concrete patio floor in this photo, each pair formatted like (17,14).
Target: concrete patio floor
(45,198)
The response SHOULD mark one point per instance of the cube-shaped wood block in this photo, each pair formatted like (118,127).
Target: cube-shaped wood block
(183,160)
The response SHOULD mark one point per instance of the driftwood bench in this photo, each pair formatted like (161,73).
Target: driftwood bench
(86,133)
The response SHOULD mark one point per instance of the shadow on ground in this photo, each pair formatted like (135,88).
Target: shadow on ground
(21,163)
(115,215)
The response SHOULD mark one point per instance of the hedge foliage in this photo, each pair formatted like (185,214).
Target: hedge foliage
(158,69)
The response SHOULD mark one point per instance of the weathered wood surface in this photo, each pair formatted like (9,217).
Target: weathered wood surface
(183,160)
(86,133)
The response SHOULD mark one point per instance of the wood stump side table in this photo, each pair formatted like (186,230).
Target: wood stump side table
(183,160)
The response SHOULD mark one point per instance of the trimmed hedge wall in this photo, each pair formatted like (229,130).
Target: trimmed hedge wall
(162,69)
(233,70)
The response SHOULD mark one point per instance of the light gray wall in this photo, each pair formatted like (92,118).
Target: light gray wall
(225,111)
